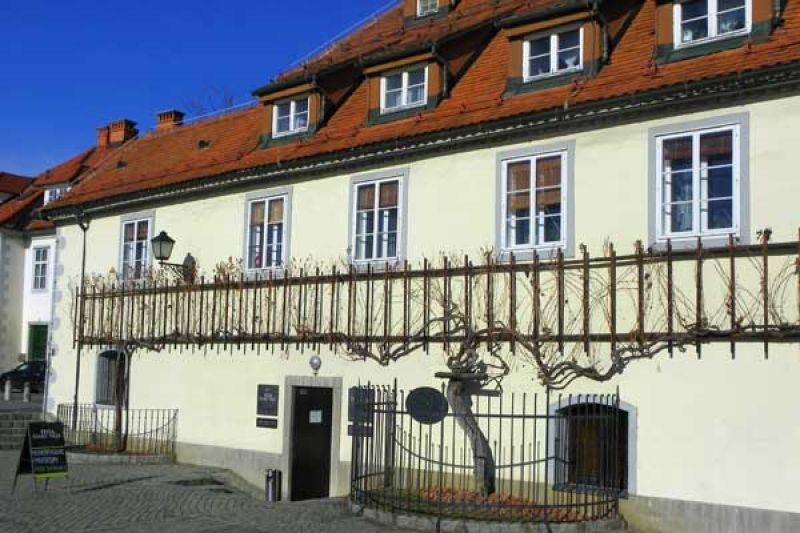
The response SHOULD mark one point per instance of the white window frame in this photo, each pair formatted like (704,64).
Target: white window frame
(266,199)
(699,187)
(45,266)
(404,89)
(554,38)
(421,12)
(399,178)
(713,29)
(292,116)
(539,225)
(148,254)
(54,193)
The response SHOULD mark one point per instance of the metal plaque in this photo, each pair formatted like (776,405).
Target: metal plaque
(426,405)
(267,400)
(361,404)
(270,423)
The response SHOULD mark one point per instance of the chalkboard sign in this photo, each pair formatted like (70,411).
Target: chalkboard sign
(267,400)
(43,454)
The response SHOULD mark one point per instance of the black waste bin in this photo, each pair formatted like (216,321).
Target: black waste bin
(273,485)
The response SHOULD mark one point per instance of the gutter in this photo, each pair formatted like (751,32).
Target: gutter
(588,115)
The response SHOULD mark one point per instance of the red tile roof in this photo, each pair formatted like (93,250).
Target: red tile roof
(169,158)
(12,183)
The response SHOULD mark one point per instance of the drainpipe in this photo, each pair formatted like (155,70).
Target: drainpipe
(83,223)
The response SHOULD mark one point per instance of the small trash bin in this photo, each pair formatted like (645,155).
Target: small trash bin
(273,485)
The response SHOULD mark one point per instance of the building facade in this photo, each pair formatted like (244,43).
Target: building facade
(517,130)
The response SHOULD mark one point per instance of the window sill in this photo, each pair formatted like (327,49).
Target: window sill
(668,53)
(525,255)
(523,85)
(269,140)
(690,243)
(379,116)
(261,274)
(376,265)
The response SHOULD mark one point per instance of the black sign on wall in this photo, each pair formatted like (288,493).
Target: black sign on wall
(267,400)
(269,423)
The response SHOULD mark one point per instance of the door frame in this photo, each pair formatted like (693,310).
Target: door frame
(28,339)
(334,383)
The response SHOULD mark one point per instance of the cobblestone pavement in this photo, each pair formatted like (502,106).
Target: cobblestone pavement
(160,498)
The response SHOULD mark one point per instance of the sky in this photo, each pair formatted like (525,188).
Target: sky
(67,68)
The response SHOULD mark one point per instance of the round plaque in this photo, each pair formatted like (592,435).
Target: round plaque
(426,405)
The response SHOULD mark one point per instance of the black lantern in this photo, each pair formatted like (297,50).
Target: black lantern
(162,246)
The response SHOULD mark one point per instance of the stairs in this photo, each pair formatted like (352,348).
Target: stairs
(13,427)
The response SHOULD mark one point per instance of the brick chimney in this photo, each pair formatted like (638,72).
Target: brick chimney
(168,120)
(121,131)
(102,136)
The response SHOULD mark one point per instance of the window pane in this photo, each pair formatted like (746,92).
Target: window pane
(519,204)
(393,99)
(394,82)
(725,5)
(677,154)
(694,30)
(548,172)
(720,182)
(519,176)
(301,106)
(693,9)
(141,232)
(366,196)
(539,66)
(732,21)
(569,39)
(416,95)
(681,186)
(301,121)
(519,231)
(416,77)
(284,109)
(717,148)
(276,211)
(720,214)
(283,124)
(552,229)
(538,47)
(569,59)
(257,213)
(388,194)
(681,217)
(128,231)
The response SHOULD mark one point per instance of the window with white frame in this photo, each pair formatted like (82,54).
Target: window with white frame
(290,116)
(266,233)
(701,20)
(109,383)
(555,53)
(376,231)
(51,195)
(135,252)
(40,261)
(534,200)
(698,175)
(404,89)
(427,7)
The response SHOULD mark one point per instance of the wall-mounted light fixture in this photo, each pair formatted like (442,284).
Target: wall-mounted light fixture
(162,248)
(315,362)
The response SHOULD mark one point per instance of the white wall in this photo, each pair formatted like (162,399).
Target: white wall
(38,304)
(11,297)
(711,430)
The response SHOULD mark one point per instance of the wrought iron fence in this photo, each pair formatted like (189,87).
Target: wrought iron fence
(557,458)
(137,431)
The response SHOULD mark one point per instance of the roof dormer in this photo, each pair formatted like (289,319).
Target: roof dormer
(291,113)
(404,87)
(418,10)
(693,28)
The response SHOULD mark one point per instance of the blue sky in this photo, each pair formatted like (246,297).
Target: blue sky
(68,67)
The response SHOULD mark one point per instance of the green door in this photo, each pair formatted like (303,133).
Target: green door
(37,342)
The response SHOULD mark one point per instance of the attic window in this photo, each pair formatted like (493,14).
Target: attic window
(699,21)
(202,144)
(427,7)
(553,53)
(121,164)
(404,89)
(291,116)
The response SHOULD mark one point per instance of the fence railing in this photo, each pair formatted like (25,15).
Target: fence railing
(557,458)
(138,431)
(729,294)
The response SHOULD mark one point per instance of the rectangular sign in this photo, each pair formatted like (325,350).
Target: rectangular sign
(270,423)
(267,400)
(361,404)
(43,454)
(315,417)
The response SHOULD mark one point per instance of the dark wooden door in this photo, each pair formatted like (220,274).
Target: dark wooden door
(311,442)
(37,342)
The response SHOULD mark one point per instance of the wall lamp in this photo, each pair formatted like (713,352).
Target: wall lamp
(162,248)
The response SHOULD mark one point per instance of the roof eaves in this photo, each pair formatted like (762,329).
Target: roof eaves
(569,6)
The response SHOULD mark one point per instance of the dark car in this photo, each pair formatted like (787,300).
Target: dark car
(32,372)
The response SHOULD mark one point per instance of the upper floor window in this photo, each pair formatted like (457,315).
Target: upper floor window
(701,20)
(51,195)
(376,221)
(556,53)
(534,200)
(266,233)
(427,7)
(40,261)
(135,258)
(290,116)
(404,89)
(698,189)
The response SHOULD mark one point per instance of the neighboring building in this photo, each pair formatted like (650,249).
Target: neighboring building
(28,250)
(436,128)
(12,185)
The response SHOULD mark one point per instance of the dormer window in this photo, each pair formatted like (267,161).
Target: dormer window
(551,54)
(404,89)
(53,194)
(427,7)
(698,21)
(291,116)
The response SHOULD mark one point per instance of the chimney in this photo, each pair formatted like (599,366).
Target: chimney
(121,131)
(168,120)
(102,136)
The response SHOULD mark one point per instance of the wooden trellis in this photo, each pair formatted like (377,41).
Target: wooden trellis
(729,294)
